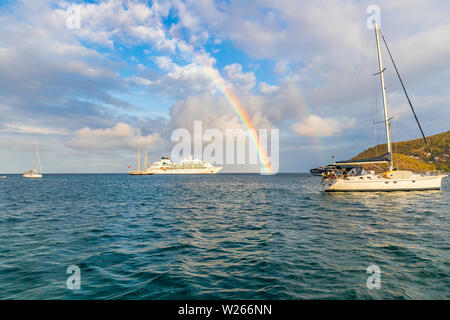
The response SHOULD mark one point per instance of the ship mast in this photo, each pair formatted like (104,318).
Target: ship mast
(383,87)
(139,159)
(37,161)
(145,162)
(410,104)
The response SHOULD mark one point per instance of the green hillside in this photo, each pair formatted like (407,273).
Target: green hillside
(413,154)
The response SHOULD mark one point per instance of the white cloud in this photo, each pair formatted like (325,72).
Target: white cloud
(112,21)
(266,88)
(312,55)
(121,136)
(215,112)
(164,62)
(27,129)
(197,76)
(281,67)
(327,45)
(315,126)
(241,80)
(141,81)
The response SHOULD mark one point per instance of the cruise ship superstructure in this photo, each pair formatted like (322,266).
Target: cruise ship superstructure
(186,166)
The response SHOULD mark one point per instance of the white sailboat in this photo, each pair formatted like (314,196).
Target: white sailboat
(34,173)
(349,176)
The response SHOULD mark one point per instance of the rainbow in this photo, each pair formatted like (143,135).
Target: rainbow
(244,119)
(317,144)
(240,112)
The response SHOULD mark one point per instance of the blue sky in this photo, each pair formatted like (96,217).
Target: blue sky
(136,70)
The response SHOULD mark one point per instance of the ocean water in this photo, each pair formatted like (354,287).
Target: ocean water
(219,236)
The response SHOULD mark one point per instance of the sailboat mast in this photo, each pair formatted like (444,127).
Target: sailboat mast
(37,161)
(383,88)
(410,104)
(145,162)
(139,159)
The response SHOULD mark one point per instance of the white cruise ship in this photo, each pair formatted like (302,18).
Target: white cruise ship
(186,166)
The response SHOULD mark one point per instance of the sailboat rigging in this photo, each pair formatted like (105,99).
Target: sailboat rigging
(409,102)
(348,176)
(34,173)
(140,171)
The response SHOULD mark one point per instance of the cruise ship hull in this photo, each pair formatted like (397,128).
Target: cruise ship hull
(212,170)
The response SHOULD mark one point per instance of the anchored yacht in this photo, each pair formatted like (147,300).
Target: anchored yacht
(140,171)
(34,173)
(347,178)
(350,176)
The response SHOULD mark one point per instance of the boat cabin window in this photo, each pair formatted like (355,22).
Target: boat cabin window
(356,171)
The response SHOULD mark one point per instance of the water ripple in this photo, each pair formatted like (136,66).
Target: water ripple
(218,237)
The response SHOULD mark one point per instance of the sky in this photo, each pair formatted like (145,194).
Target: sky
(134,71)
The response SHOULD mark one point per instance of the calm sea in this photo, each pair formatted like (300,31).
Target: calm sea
(218,237)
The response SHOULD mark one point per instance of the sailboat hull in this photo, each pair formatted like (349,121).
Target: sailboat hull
(379,183)
(36,175)
(135,173)
(139,173)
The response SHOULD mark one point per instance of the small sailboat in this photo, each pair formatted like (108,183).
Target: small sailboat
(34,173)
(351,176)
